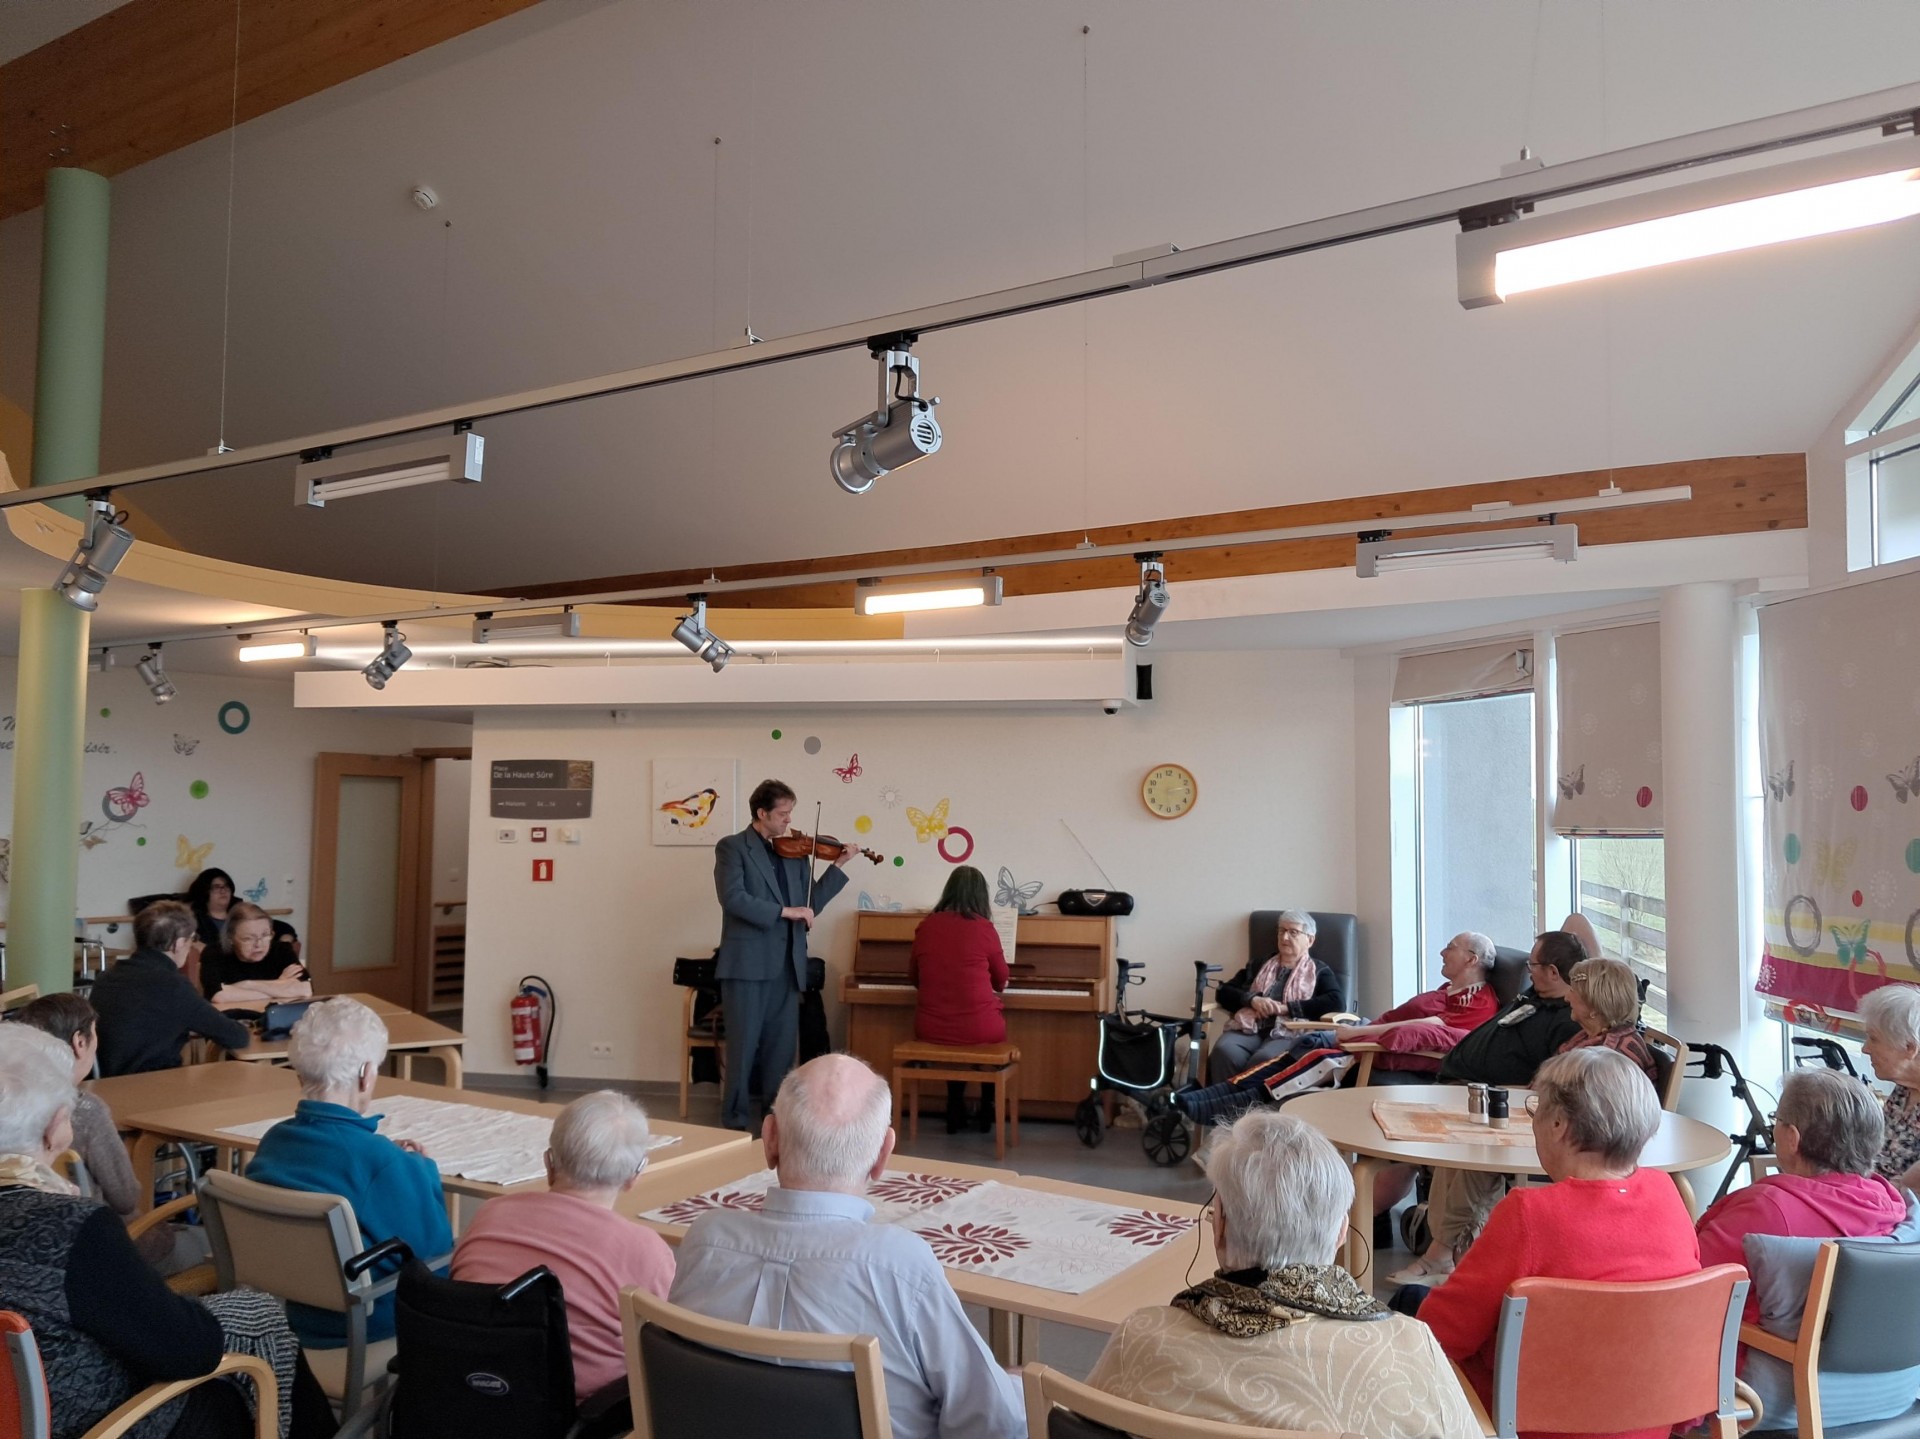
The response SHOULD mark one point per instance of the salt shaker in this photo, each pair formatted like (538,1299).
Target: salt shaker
(1477,1102)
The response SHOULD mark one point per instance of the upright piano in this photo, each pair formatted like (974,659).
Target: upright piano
(1061,981)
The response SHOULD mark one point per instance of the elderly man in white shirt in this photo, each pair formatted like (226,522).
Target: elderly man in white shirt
(810,1261)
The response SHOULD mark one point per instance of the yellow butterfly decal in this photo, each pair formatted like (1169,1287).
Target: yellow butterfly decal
(191,856)
(1831,861)
(926,826)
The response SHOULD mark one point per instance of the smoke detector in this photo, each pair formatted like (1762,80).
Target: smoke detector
(424,197)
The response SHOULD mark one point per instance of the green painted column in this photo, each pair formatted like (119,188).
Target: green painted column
(51,702)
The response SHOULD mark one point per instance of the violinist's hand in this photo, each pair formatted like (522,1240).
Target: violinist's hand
(846,855)
(799,912)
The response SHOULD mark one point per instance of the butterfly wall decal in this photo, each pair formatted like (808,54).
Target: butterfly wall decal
(257,894)
(123,802)
(92,835)
(693,811)
(1906,782)
(1832,861)
(187,855)
(1011,894)
(1780,784)
(1573,782)
(850,770)
(183,745)
(868,901)
(928,824)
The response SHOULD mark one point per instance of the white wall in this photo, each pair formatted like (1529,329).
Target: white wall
(452,806)
(1269,736)
(257,810)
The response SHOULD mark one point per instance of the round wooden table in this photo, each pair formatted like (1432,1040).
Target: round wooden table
(1345,1116)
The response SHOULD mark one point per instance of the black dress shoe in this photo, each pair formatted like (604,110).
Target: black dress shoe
(983,1119)
(956,1118)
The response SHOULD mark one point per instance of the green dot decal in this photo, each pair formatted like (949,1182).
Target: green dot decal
(199,789)
(1791,848)
(776,734)
(104,714)
(141,840)
(1913,855)
(899,860)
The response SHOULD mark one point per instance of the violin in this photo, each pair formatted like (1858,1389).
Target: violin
(796,844)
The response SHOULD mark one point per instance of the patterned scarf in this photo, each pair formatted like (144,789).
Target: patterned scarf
(27,1171)
(1299,1291)
(1302,980)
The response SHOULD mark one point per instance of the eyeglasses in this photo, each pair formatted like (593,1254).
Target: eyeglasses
(1293,929)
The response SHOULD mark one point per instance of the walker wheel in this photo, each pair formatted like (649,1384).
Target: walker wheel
(1167,1139)
(1088,1122)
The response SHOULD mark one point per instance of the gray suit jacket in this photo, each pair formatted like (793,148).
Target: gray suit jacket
(755,943)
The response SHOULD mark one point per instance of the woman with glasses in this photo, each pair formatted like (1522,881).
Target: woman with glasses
(1605,999)
(1290,984)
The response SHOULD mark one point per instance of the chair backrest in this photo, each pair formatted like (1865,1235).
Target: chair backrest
(284,1242)
(1669,1066)
(25,1409)
(692,1377)
(1509,974)
(1336,944)
(15,998)
(1063,1408)
(1556,1334)
(1872,1319)
(481,1358)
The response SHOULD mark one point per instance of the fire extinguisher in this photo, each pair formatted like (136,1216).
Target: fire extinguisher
(535,1015)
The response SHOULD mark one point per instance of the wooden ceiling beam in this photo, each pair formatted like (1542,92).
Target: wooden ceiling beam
(1739,494)
(154,76)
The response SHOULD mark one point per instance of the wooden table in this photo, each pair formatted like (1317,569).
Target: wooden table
(1154,1280)
(408,1035)
(1345,1116)
(381,1007)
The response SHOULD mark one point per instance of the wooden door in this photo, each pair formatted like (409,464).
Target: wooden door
(364,926)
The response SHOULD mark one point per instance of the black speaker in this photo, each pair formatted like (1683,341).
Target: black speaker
(1095,901)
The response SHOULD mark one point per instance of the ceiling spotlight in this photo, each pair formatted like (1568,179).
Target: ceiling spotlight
(300,649)
(322,475)
(565,625)
(873,597)
(102,548)
(393,654)
(154,675)
(692,632)
(1152,601)
(901,429)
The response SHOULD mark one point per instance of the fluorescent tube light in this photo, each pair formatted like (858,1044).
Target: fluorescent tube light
(873,598)
(324,477)
(1793,201)
(565,625)
(298,649)
(1421,552)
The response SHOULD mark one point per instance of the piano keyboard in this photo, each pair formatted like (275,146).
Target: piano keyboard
(1011,989)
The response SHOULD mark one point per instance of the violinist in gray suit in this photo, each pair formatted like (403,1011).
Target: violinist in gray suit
(766,911)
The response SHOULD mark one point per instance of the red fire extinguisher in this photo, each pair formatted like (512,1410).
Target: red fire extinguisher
(535,1018)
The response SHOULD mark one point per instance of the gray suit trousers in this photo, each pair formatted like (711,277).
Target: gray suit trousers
(762,1019)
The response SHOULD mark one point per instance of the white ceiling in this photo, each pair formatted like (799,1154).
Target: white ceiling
(880,157)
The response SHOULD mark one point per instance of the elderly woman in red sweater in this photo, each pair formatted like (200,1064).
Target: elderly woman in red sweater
(959,968)
(1603,1217)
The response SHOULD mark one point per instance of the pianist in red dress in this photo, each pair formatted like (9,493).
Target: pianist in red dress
(959,969)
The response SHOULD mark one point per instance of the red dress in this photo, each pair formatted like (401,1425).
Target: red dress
(959,969)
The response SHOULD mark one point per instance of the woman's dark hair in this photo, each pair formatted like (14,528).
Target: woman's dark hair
(163,924)
(966,893)
(202,888)
(767,794)
(241,913)
(61,1015)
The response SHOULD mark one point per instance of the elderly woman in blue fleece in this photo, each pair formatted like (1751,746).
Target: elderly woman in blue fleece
(330,1147)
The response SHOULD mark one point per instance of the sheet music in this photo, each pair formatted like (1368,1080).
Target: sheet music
(1006,922)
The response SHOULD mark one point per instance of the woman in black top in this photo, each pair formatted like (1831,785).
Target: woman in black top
(210,897)
(252,949)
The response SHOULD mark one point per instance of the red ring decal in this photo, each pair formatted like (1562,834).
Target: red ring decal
(965,854)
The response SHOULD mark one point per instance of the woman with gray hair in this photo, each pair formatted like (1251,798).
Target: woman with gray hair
(1828,1133)
(1891,1014)
(1602,1218)
(332,1146)
(1289,984)
(1280,1337)
(598,1152)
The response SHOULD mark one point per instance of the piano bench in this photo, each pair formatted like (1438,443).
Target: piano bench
(995,1064)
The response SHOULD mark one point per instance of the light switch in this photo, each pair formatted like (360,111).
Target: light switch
(506,836)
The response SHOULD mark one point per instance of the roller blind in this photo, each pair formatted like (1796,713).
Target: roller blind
(1839,731)
(1500,669)
(1607,778)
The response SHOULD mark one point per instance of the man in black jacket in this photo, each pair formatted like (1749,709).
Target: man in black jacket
(147,1007)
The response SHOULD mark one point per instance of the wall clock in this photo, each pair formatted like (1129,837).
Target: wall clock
(1169,791)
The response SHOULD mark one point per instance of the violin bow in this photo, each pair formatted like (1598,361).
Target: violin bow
(813,859)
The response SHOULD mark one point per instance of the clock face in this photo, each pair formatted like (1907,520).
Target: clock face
(1169,791)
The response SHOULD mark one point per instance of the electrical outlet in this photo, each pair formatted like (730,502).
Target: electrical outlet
(602,1049)
(506,836)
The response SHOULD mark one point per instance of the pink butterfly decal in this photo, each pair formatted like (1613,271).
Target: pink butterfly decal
(121,803)
(851,769)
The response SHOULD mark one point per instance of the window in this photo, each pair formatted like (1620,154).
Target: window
(1623,894)
(1475,823)
(1893,472)
(1895,480)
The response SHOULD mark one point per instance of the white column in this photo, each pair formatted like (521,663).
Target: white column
(1699,732)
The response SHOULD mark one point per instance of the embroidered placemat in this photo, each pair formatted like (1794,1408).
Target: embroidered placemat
(1432,1123)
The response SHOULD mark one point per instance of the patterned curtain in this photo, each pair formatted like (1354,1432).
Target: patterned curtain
(1840,744)
(1469,673)
(1607,778)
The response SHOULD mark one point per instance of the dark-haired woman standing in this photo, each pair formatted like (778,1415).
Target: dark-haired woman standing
(959,969)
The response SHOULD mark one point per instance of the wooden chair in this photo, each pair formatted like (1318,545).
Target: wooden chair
(1670,1067)
(199,1280)
(1862,1317)
(1063,1408)
(26,1409)
(14,998)
(995,1064)
(1574,1355)
(691,1377)
(707,1033)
